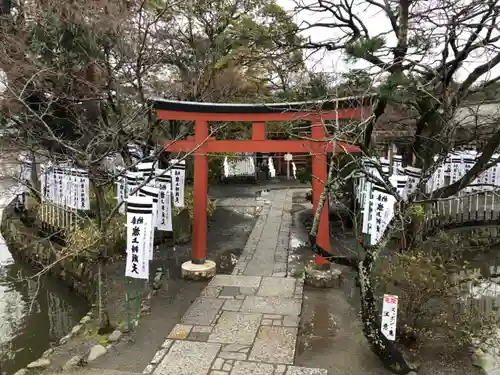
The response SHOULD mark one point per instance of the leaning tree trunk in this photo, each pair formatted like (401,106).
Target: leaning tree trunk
(386,350)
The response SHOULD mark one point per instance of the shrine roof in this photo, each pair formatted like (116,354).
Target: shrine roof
(262,108)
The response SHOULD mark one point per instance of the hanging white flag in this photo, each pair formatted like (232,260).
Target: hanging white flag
(139,222)
(84,190)
(389,316)
(164,218)
(414,175)
(133,181)
(147,170)
(383,212)
(153,193)
(272,171)
(400,183)
(178,173)
(121,189)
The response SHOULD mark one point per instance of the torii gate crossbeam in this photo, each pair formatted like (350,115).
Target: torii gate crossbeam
(202,144)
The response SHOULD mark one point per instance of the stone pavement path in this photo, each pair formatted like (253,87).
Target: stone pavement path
(247,322)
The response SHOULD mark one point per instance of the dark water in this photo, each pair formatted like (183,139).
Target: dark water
(34,313)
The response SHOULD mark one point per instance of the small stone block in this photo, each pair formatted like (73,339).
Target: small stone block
(291,321)
(219,362)
(227,367)
(229,291)
(236,328)
(210,291)
(239,281)
(230,361)
(271,305)
(158,356)
(248,291)
(199,336)
(274,345)
(267,322)
(188,358)
(217,372)
(180,332)
(166,344)
(148,370)
(276,322)
(240,297)
(202,311)
(232,305)
(246,368)
(201,329)
(271,316)
(295,370)
(232,355)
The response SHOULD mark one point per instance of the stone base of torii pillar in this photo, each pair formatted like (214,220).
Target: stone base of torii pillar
(193,271)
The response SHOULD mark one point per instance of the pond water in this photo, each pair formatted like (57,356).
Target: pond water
(34,312)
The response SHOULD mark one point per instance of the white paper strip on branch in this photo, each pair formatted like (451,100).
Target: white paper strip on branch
(178,173)
(389,316)
(164,183)
(383,212)
(139,223)
(153,193)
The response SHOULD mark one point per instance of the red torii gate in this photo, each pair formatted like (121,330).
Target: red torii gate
(258,114)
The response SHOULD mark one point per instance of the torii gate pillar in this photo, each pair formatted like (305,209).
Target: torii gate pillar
(201,145)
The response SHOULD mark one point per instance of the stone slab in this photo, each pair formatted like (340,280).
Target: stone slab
(235,328)
(274,345)
(271,305)
(188,358)
(239,281)
(294,370)
(276,287)
(252,368)
(203,311)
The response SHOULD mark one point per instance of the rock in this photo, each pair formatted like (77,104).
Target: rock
(64,340)
(96,352)
(39,363)
(23,371)
(72,363)
(145,309)
(76,329)
(48,352)
(115,336)
(157,281)
(85,319)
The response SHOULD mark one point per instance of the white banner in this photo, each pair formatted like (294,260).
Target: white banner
(153,193)
(178,173)
(83,190)
(148,172)
(139,224)
(121,189)
(164,183)
(133,181)
(383,212)
(389,316)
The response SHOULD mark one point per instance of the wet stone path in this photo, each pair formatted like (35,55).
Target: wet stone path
(247,322)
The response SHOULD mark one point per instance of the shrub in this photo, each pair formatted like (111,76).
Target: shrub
(432,302)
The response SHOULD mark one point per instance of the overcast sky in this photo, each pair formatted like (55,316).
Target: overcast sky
(375,21)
